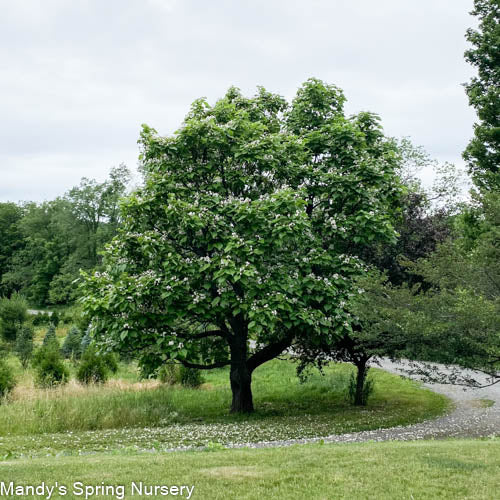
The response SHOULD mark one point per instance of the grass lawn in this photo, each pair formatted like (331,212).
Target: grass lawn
(129,414)
(461,469)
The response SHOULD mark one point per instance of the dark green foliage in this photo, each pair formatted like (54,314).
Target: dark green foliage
(71,347)
(54,318)
(41,319)
(190,377)
(50,369)
(483,152)
(13,313)
(11,239)
(50,336)
(7,380)
(24,345)
(93,368)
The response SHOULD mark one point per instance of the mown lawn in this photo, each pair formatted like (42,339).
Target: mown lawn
(129,414)
(461,469)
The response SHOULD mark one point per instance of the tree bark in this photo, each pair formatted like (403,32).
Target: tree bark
(241,387)
(241,373)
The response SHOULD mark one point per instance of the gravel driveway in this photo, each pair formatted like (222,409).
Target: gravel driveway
(469,419)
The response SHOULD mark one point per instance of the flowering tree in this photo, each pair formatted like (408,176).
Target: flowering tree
(246,228)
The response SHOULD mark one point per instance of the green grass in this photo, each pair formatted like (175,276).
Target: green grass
(448,470)
(121,415)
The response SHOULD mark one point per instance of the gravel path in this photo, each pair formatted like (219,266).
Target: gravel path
(470,419)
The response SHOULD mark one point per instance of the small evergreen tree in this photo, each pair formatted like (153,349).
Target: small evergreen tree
(24,345)
(71,347)
(93,368)
(13,313)
(50,336)
(54,318)
(49,365)
(7,381)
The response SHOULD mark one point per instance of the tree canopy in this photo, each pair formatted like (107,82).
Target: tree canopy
(483,152)
(248,227)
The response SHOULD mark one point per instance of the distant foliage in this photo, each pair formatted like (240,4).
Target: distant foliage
(7,380)
(93,368)
(50,369)
(24,345)
(71,347)
(13,313)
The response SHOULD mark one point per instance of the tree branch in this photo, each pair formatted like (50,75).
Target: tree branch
(218,364)
(269,352)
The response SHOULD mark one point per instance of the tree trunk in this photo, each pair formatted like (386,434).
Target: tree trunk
(359,398)
(241,386)
(241,375)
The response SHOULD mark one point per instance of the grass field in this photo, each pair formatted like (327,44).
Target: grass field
(408,470)
(127,413)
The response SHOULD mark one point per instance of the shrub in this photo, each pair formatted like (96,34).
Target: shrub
(41,319)
(13,313)
(71,347)
(169,374)
(49,366)
(93,368)
(190,377)
(111,362)
(24,345)
(7,381)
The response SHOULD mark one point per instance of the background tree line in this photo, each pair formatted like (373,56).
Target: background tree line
(44,245)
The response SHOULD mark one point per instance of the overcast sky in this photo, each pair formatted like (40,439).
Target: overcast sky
(77,78)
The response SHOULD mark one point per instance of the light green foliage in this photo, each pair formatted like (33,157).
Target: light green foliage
(13,312)
(7,379)
(246,228)
(71,347)
(24,344)
(483,152)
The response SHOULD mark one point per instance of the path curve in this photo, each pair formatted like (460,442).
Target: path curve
(469,419)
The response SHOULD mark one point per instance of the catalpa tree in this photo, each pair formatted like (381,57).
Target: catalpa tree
(246,228)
